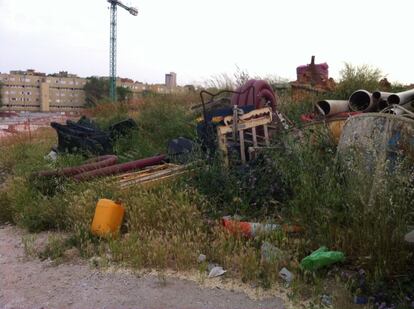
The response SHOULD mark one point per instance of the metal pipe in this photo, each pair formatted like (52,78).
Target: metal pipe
(330,107)
(401,97)
(361,101)
(90,165)
(119,168)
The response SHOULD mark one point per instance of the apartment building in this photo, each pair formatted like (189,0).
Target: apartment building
(34,91)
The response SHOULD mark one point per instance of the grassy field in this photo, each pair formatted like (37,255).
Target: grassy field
(297,182)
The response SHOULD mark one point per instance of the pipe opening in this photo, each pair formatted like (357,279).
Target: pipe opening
(324,106)
(393,99)
(359,101)
(376,95)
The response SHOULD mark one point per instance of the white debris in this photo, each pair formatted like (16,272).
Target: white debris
(216,272)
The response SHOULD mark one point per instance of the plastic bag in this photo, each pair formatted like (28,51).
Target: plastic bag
(320,258)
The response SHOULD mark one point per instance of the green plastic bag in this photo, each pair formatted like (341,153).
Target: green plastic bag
(320,258)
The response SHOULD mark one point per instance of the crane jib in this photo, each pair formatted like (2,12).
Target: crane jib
(131,10)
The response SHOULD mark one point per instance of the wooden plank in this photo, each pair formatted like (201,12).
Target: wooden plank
(266,133)
(222,146)
(254,136)
(242,147)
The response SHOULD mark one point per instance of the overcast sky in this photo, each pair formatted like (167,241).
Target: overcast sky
(199,39)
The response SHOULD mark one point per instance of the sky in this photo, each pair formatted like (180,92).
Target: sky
(202,39)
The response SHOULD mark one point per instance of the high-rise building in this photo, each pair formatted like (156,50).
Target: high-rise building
(171,80)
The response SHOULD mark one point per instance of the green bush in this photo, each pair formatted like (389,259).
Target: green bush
(159,119)
(353,78)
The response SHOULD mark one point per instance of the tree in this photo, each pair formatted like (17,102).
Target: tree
(96,89)
(123,93)
(358,77)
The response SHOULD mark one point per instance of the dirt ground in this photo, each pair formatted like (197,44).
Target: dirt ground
(31,283)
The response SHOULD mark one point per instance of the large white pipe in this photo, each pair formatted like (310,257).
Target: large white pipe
(380,99)
(331,107)
(361,101)
(378,95)
(401,97)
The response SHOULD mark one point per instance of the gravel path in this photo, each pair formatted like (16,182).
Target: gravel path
(30,283)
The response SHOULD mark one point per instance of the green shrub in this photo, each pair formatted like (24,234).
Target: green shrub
(159,119)
(353,78)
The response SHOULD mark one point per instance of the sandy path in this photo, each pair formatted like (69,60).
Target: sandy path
(31,283)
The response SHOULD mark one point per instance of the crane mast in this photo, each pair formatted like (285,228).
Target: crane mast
(113,44)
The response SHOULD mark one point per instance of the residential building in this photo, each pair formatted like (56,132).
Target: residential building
(34,91)
(136,87)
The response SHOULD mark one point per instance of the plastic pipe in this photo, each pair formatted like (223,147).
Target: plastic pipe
(361,101)
(331,107)
(401,97)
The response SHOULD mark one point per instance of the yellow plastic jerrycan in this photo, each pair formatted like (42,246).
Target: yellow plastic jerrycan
(108,218)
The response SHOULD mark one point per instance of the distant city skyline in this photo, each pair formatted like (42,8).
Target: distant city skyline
(199,40)
(34,71)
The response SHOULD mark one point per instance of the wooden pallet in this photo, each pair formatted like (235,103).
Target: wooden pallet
(152,175)
(238,127)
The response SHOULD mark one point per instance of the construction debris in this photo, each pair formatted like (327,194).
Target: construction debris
(120,168)
(251,229)
(331,107)
(85,137)
(153,175)
(271,253)
(256,121)
(216,271)
(311,79)
(106,166)
(286,275)
(180,149)
(91,164)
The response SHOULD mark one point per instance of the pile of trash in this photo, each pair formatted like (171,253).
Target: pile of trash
(85,136)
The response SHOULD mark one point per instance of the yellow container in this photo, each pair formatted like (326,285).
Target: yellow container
(108,218)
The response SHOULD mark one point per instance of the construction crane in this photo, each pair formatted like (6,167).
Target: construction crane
(113,37)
